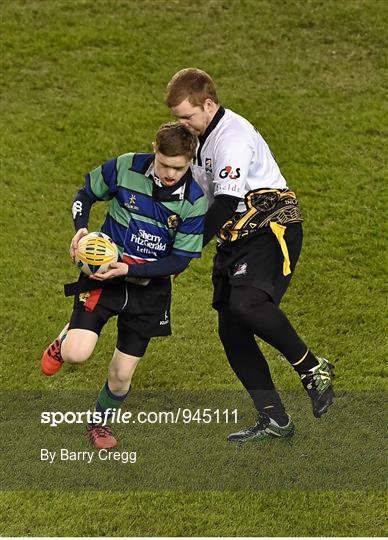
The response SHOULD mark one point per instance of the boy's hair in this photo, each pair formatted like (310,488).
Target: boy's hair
(176,139)
(192,84)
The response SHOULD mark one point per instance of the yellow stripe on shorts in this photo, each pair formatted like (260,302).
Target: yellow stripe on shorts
(279,231)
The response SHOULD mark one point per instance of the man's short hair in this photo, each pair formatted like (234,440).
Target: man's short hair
(192,84)
(176,139)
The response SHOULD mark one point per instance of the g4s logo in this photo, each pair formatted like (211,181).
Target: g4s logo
(228,171)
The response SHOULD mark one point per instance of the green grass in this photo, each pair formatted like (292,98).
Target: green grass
(194,514)
(83,81)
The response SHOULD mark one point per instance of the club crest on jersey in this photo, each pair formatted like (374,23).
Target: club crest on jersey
(172,221)
(240,269)
(208,165)
(132,203)
(230,173)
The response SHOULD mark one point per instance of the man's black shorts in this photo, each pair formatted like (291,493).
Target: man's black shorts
(144,310)
(255,261)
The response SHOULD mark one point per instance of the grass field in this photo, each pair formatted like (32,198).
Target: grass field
(83,81)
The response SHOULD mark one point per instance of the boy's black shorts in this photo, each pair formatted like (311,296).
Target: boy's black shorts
(140,310)
(255,261)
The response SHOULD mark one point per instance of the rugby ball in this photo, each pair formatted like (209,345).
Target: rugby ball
(95,252)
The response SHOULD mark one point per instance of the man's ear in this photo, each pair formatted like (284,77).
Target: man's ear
(154,147)
(208,104)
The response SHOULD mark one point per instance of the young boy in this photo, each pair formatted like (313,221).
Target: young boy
(156,219)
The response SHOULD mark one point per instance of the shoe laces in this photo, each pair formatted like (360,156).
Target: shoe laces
(100,431)
(55,351)
(262,422)
(319,378)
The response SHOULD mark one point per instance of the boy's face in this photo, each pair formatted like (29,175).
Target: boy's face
(195,117)
(170,169)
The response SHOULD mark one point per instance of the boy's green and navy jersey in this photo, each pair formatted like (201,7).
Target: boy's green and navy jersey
(147,222)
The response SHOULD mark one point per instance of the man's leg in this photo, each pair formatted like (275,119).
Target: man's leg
(246,359)
(249,364)
(251,367)
(255,309)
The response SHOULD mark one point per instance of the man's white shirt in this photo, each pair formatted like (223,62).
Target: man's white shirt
(235,159)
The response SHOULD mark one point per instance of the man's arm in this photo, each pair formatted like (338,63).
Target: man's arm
(219,212)
(231,160)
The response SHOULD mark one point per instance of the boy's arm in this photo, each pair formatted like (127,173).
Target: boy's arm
(187,245)
(173,264)
(100,185)
(80,209)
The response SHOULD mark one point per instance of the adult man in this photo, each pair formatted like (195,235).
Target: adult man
(258,223)
(156,219)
